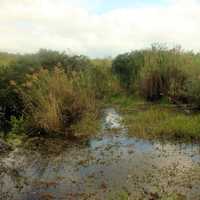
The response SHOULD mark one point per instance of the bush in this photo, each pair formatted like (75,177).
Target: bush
(10,101)
(126,67)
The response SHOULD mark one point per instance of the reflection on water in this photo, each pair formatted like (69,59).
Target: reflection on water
(112,162)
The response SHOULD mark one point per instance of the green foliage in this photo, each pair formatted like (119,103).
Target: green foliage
(17,125)
(17,132)
(193,92)
(15,70)
(124,102)
(10,101)
(48,59)
(158,122)
(174,196)
(55,91)
(123,195)
(52,90)
(6,58)
(102,82)
(160,72)
(126,67)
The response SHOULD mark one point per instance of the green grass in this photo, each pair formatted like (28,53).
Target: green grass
(90,125)
(159,122)
(121,195)
(124,102)
(174,197)
(14,140)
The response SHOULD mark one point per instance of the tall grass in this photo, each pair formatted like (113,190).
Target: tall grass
(160,72)
(157,122)
(54,101)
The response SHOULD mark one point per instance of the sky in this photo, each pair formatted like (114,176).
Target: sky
(98,28)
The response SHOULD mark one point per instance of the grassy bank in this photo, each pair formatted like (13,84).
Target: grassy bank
(158,120)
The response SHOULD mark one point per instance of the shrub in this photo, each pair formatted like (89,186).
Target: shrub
(10,101)
(126,67)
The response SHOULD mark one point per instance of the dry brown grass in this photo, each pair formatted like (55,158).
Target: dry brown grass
(55,101)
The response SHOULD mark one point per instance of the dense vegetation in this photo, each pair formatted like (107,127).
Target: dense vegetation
(50,92)
(160,72)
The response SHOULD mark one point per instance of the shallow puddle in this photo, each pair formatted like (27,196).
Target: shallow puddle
(111,165)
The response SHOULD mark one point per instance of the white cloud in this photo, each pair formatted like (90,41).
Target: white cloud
(27,25)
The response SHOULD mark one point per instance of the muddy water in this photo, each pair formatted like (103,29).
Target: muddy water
(110,166)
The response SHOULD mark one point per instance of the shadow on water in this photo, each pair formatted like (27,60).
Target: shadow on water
(111,163)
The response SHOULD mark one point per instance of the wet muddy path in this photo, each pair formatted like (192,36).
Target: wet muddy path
(111,166)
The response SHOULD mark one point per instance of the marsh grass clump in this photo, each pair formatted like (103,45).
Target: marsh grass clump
(162,82)
(157,122)
(54,101)
(159,72)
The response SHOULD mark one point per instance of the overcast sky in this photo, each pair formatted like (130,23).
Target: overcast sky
(98,28)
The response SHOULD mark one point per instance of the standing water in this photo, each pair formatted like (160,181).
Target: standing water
(111,166)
